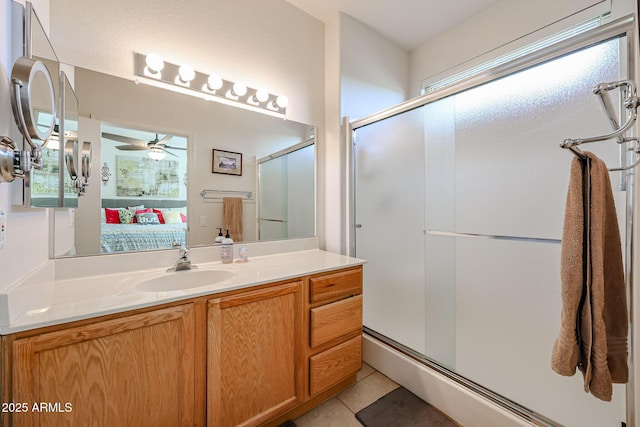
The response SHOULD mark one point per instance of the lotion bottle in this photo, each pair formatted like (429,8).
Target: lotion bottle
(226,249)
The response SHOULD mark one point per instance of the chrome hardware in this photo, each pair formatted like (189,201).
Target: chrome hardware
(183,262)
(30,79)
(85,167)
(9,160)
(630,102)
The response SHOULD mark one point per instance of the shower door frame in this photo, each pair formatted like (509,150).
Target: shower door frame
(625,26)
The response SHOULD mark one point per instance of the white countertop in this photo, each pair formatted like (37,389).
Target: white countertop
(92,296)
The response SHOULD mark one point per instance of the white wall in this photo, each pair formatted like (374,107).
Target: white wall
(265,44)
(275,45)
(331,154)
(27,244)
(374,72)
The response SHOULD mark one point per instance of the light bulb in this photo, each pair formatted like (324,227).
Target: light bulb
(261,95)
(187,73)
(154,62)
(157,154)
(214,82)
(282,101)
(239,89)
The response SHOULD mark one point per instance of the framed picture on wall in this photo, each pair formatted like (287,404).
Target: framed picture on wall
(227,162)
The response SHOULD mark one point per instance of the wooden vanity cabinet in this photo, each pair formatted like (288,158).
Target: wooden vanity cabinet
(248,357)
(255,370)
(335,328)
(133,370)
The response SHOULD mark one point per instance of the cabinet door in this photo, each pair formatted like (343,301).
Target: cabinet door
(132,371)
(255,369)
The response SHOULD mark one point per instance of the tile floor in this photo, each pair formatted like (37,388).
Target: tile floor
(340,410)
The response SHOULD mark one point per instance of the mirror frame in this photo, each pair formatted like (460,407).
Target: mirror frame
(23,75)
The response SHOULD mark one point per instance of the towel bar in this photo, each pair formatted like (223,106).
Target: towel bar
(631,103)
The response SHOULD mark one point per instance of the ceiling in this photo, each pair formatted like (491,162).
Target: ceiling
(408,23)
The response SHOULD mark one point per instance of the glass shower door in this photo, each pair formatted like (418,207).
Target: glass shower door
(460,204)
(286,206)
(272,205)
(389,210)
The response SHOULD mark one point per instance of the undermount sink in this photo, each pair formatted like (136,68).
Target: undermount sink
(177,280)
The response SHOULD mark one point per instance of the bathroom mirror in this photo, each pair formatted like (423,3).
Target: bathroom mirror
(49,184)
(123,112)
(69,179)
(34,101)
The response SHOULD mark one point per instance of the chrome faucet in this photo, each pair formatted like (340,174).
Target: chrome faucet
(183,262)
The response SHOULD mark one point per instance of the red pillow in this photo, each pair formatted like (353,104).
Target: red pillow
(183,217)
(141,211)
(159,213)
(112,215)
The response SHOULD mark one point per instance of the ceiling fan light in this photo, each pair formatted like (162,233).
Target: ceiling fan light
(156,154)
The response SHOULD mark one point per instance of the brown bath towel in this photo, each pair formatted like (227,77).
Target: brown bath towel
(232,207)
(594,323)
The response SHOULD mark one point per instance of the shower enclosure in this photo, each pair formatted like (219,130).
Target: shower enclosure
(286,185)
(458,206)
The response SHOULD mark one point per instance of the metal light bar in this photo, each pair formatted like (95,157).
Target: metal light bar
(198,84)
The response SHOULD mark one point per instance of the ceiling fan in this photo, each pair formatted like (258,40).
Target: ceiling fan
(155,145)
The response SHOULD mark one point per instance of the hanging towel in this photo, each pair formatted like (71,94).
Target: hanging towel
(594,318)
(232,207)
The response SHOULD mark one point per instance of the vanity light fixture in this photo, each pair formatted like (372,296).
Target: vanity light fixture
(214,82)
(239,89)
(154,65)
(281,102)
(186,73)
(261,96)
(155,71)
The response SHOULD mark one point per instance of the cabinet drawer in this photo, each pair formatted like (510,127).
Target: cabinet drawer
(333,320)
(335,286)
(334,365)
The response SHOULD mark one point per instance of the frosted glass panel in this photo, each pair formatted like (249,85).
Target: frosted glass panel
(287,195)
(389,186)
(510,174)
(301,201)
(272,187)
(485,163)
(507,316)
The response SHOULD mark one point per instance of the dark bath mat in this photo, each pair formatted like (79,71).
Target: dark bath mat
(401,408)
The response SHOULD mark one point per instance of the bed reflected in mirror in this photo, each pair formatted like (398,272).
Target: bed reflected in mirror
(144,200)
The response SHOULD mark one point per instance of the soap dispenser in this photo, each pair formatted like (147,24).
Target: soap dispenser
(220,237)
(226,250)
